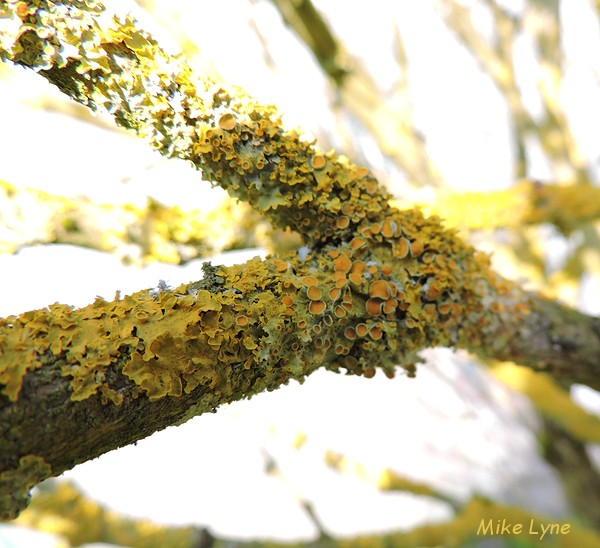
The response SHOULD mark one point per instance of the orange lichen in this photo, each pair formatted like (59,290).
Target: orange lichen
(339,311)
(416,248)
(366,231)
(318,161)
(362,172)
(227,122)
(372,186)
(359,267)
(387,269)
(310,281)
(167,344)
(369,372)
(428,257)
(314,293)
(389,229)
(281,266)
(316,307)
(342,263)
(452,264)
(444,308)
(350,333)
(402,248)
(334,293)
(350,362)
(374,307)
(434,290)
(342,222)
(339,349)
(340,279)
(375,333)
(361,329)
(322,342)
(16,484)
(380,289)
(389,306)
(430,311)
(355,278)
(357,242)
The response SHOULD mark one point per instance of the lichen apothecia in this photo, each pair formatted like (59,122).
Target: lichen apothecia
(376,285)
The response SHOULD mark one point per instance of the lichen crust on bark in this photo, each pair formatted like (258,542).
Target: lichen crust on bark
(399,286)
(372,286)
(231,137)
(15,484)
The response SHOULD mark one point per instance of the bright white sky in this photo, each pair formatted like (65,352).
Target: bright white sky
(211,470)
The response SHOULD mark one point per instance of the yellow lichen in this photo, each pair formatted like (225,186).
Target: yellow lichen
(393,270)
(16,483)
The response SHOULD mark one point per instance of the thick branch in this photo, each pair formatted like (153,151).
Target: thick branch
(111,373)
(553,338)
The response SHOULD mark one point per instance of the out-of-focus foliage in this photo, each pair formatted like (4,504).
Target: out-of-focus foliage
(62,509)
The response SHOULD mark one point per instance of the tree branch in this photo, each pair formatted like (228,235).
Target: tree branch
(153,232)
(373,287)
(390,122)
(568,207)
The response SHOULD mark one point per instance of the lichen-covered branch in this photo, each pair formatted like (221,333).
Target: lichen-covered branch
(113,372)
(80,520)
(568,207)
(232,138)
(387,479)
(152,233)
(373,286)
(551,400)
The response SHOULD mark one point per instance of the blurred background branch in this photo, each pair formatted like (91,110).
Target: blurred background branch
(387,118)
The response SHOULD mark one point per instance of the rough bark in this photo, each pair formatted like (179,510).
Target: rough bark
(372,287)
